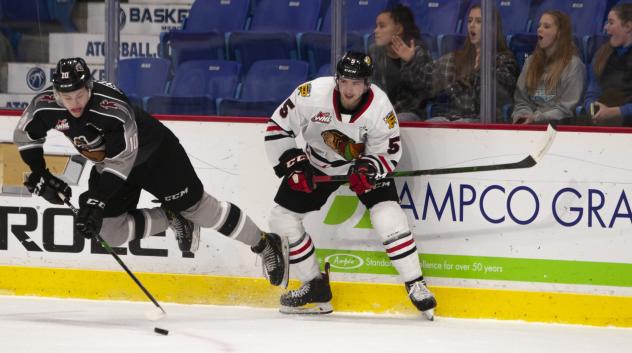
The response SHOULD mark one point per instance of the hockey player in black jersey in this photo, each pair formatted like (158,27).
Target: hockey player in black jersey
(131,151)
(350,127)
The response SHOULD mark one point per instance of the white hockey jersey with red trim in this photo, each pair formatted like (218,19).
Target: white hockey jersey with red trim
(313,111)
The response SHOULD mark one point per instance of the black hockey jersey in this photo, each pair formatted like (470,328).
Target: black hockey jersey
(111,132)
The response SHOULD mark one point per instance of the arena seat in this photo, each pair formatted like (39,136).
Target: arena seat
(315,48)
(587,16)
(202,36)
(359,15)
(248,47)
(142,77)
(196,86)
(27,14)
(522,45)
(217,15)
(181,46)
(266,85)
(290,16)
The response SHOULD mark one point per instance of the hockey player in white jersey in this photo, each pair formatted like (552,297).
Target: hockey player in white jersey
(349,127)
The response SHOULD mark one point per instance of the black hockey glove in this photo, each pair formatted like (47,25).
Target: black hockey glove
(48,186)
(297,169)
(90,218)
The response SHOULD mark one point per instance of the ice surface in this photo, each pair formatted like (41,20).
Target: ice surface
(30,325)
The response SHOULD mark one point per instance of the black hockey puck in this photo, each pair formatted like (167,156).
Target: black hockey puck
(161,331)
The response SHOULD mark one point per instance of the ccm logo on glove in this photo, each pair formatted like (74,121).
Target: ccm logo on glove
(295,165)
(298,159)
(95,202)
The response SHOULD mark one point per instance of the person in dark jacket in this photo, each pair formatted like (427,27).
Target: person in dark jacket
(609,94)
(399,61)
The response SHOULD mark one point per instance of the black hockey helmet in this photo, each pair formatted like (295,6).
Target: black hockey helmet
(71,74)
(355,65)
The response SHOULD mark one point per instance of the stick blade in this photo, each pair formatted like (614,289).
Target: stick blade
(155,314)
(548,139)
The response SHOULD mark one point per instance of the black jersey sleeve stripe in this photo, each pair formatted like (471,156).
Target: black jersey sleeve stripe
(275,137)
(324,160)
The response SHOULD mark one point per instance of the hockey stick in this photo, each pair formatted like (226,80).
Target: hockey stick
(528,162)
(150,314)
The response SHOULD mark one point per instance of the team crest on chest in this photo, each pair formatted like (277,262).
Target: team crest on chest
(62,125)
(322,117)
(80,142)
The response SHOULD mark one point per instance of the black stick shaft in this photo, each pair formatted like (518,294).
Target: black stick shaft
(527,162)
(109,249)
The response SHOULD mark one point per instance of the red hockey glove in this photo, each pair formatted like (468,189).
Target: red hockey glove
(301,181)
(297,169)
(362,176)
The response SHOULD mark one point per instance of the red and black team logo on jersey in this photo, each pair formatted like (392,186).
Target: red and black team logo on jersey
(46,98)
(106,104)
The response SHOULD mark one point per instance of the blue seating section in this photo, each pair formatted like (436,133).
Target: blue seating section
(587,16)
(143,77)
(266,85)
(514,14)
(26,13)
(182,46)
(440,16)
(450,42)
(248,47)
(315,48)
(252,31)
(290,16)
(217,15)
(324,70)
(591,45)
(196,86)
(522,45)
(360,16)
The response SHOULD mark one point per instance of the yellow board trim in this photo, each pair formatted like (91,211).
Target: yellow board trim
(596,310)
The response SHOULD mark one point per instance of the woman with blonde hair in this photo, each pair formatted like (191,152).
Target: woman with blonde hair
(609,92)
(553,77)
(457,75)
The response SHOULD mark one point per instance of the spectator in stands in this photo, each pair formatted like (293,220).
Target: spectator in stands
(609,91)
(553,77)
(457,78)
(399,59)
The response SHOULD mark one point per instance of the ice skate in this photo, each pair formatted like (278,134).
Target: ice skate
(422,298)
(274,252)
(187,232)
(313,297)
